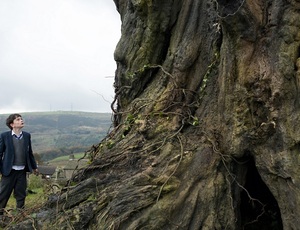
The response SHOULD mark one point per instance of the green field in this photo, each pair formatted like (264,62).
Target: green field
(55,134)
(77,156)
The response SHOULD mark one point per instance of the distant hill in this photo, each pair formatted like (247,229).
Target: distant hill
(62,133)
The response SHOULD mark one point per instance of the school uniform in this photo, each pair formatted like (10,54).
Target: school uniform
(16,158)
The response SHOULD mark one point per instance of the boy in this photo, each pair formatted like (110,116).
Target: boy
(16,158)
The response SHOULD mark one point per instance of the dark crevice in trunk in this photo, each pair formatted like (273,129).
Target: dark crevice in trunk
(259,208)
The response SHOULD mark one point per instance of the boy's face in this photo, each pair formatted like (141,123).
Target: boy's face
(18,123)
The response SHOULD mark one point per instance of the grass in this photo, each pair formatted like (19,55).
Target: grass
(39,189)
(34,200)
(66,158)
(33,203)
(36,196)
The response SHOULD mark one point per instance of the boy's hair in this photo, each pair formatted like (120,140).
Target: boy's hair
(11,119)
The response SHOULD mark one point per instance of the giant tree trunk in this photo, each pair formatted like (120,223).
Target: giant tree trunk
(207,122)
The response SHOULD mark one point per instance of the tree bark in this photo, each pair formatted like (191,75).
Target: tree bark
(207,118)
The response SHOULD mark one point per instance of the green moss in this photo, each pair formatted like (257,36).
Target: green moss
(110,144)
(169,188)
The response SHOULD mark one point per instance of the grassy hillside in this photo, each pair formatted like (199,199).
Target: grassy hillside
(62,133)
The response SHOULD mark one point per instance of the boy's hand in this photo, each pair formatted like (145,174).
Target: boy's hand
(36,172)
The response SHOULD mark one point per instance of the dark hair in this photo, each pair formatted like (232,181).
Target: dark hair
(11,119)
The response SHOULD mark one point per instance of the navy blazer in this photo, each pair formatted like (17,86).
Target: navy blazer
(7,153)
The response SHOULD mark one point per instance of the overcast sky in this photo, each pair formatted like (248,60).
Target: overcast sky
(57,55)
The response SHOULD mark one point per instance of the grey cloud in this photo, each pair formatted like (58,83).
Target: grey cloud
(56,54)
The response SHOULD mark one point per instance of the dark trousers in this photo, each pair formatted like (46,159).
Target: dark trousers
(15,181)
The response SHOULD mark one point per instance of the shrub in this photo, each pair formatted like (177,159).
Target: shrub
(35,182)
